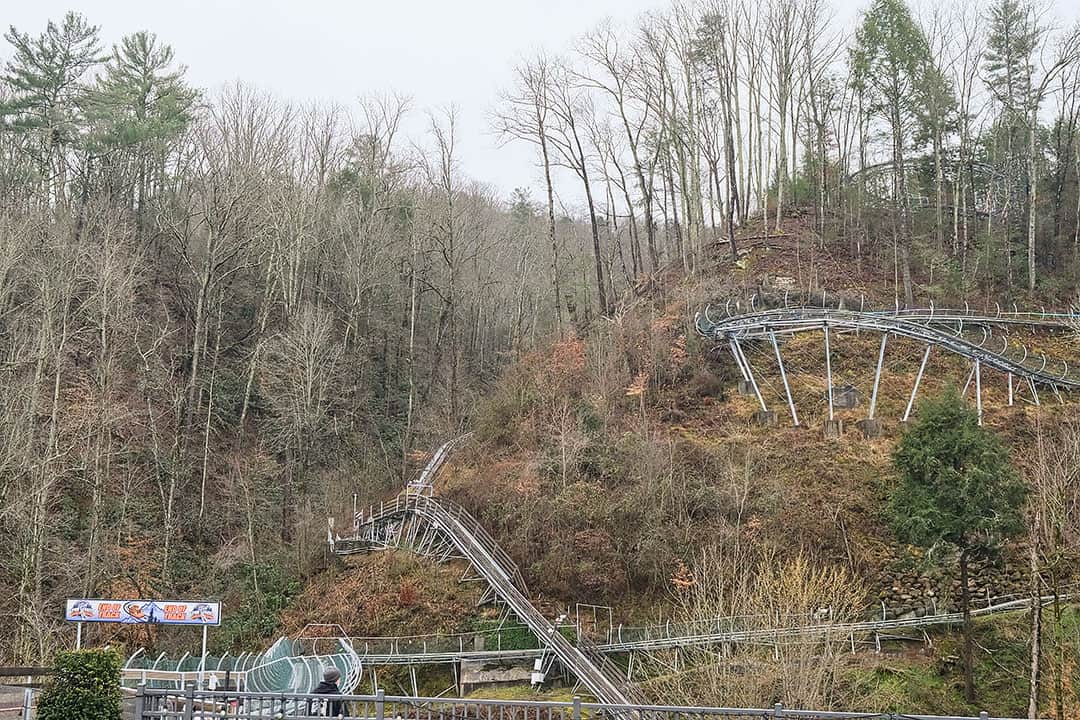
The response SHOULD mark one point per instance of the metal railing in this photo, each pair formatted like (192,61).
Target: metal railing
(659,636)
(793,299)
(506,638)
(587,659)
(439,512)
(284,665)
(157,704)
(424,483)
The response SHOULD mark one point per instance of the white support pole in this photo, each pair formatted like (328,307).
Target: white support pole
(918,379)
(750,374)
(877,374)
(783,376)
(970,377)
(1010,390)
(738,358)
(978,388)
(828,370)
(78,636)
(1034,391)
(202,658)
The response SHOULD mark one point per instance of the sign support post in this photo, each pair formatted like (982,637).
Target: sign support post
(202,659)
(78,636)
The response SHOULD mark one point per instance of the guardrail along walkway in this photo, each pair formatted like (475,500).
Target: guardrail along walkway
(156,704)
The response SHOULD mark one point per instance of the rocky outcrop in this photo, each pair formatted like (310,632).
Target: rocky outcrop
(913,587)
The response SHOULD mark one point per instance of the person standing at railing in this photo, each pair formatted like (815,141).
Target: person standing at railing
(328,686)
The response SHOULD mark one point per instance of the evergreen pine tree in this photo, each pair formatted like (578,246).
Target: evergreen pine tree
(48,98)
(140,106)
(958,490)
(888,62)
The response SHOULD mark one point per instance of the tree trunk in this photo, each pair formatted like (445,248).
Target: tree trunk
(1033,182)
(968,630)
(643,186)
(939,183)
(406,444)
(551,232)
(1034,676)
(597,254)
(208,425)
(636,257)
(455,351)
(1059,666)
(732,179)
(902,235)
(781,159)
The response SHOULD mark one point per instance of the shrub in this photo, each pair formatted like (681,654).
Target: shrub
(86,686)
(258,606)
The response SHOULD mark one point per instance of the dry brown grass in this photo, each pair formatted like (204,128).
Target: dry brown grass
(386,593)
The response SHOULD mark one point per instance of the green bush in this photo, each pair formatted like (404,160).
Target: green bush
(502,413)
(258,610)
(86,686)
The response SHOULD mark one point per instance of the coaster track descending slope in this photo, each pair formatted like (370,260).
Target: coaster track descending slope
(927,327)
(437,527)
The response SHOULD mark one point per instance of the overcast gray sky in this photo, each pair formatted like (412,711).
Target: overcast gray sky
(437,51)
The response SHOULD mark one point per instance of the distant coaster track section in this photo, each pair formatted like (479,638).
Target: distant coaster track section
(672,635)
(992,193)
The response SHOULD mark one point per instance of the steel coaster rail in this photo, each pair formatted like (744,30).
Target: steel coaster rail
(408,505)
(838,629)
(789,321)
(587,660)
(425,482)
(729,629)
(280,668)
(590,669)
(993,604)
(1067,319)
(593,669)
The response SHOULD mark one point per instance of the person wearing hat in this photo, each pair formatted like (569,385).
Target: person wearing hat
(329,686)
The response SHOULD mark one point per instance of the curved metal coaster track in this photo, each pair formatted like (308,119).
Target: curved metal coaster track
(439,528)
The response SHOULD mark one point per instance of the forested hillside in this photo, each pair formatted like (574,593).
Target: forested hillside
(224,312)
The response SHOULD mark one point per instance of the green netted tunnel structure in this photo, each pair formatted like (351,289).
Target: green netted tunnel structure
(285,667)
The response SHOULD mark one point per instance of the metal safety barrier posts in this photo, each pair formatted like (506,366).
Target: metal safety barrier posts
(157,704)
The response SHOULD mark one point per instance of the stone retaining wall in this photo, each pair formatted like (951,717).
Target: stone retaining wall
(914,588)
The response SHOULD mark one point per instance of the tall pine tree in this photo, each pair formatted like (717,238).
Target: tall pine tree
(958,490)
(140,108)
(46,79)
(888,62)
(1011,42)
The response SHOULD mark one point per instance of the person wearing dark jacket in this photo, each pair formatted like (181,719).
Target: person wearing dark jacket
(328,686)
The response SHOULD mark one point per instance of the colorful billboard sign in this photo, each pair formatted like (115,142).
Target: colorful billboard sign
(135,612)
